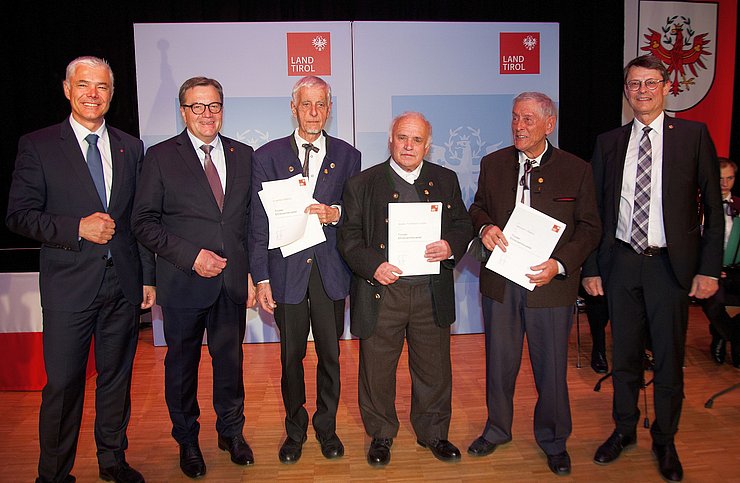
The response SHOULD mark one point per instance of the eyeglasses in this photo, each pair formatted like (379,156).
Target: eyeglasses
(652,84)
(199,108)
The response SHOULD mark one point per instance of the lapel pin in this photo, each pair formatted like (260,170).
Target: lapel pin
(426,192)
(290,168)
(326,171)
(231,149)
(332,165)
(540,180)
(395,196)
(431,183)
(670,126)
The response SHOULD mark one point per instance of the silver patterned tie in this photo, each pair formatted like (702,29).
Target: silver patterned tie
(641,207)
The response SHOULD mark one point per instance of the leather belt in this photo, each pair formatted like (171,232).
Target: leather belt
(649,251)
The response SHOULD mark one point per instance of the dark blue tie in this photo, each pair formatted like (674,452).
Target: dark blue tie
(95,165)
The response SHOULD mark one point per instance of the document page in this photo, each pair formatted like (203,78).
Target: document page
(285,202)
(532,236)
(411,227)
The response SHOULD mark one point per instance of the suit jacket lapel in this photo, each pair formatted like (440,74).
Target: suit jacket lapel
(71,150)
(618,174)
(231,166)
(669,148)
(118,154)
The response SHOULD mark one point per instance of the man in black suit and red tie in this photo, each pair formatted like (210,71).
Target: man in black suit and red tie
(653,254)
(192,210)
(72,190)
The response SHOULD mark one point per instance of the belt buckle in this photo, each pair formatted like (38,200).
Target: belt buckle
(651,251)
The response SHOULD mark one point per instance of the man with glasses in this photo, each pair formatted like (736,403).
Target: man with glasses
(192,210)
(653,254)
(306,290)
(534,173)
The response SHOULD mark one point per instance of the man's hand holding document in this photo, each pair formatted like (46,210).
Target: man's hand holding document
(522,252)
(411,227)
(291,228)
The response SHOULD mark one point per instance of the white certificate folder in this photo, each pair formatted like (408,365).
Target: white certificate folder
(532,236)
(411,227)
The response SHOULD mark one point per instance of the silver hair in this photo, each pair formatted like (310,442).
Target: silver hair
(415,114)
(311,81)
(547,107)
(89,61)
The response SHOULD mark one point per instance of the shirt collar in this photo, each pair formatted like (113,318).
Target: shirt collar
(197,143)
(536,161)
(320,142)
(81,131)
(656,125)
(408,176)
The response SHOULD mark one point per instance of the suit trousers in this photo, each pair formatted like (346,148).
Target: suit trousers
(645,298)
(597,312)
(225,323)
(325,318)
(547,331)
(407,310)
(113,321)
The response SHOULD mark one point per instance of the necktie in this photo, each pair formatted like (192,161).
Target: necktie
(308,147)
(95,165)
(641,207)
(523,181)
(213,179)
(729,210)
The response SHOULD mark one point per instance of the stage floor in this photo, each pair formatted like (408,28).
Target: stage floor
(708,442)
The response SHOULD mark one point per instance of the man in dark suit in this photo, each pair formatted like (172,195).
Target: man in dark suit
(72,190)
(721,326)
(653,255)
(537,174)
(385,305)
(192,210)
(306,290)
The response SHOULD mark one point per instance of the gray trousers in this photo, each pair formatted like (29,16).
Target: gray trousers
(547,332)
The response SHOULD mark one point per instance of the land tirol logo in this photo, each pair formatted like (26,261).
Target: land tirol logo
(683,35)
(309,53)
(520,52)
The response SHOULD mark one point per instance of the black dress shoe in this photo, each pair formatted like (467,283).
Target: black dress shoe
(191,460)
(331,447)
(291,450)
(379,453)
(442,449)
(238,448)
(559,463)
(67,479)
(613,446)
(668,462)
(717,349)
(120,473)
(598,363)
(481,447)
